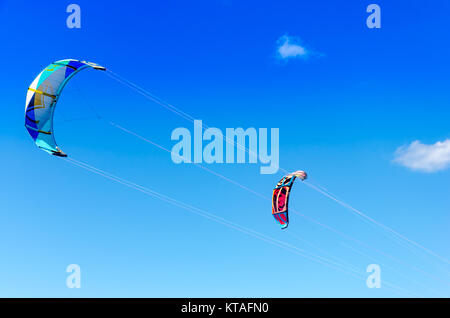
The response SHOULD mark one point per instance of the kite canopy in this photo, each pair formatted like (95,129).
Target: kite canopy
(280,198)
(42,96)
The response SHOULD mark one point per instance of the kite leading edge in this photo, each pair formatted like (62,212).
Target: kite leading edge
(42,97)
(280,198)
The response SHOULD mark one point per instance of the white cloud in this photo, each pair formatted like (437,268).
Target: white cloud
(290,47)
(422,157)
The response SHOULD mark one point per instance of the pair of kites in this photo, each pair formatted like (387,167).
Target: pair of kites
(43,95)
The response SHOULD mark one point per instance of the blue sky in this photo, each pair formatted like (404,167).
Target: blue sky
(343,108)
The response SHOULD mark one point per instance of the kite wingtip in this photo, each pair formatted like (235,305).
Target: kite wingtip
(100,68)
(60,154)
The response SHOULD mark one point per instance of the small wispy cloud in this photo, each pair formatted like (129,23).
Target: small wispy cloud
(422,157)
(290,47)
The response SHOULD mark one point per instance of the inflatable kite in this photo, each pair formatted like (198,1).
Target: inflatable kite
(42,97)
(280,198)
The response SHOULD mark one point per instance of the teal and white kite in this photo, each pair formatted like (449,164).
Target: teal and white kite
(42,97)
